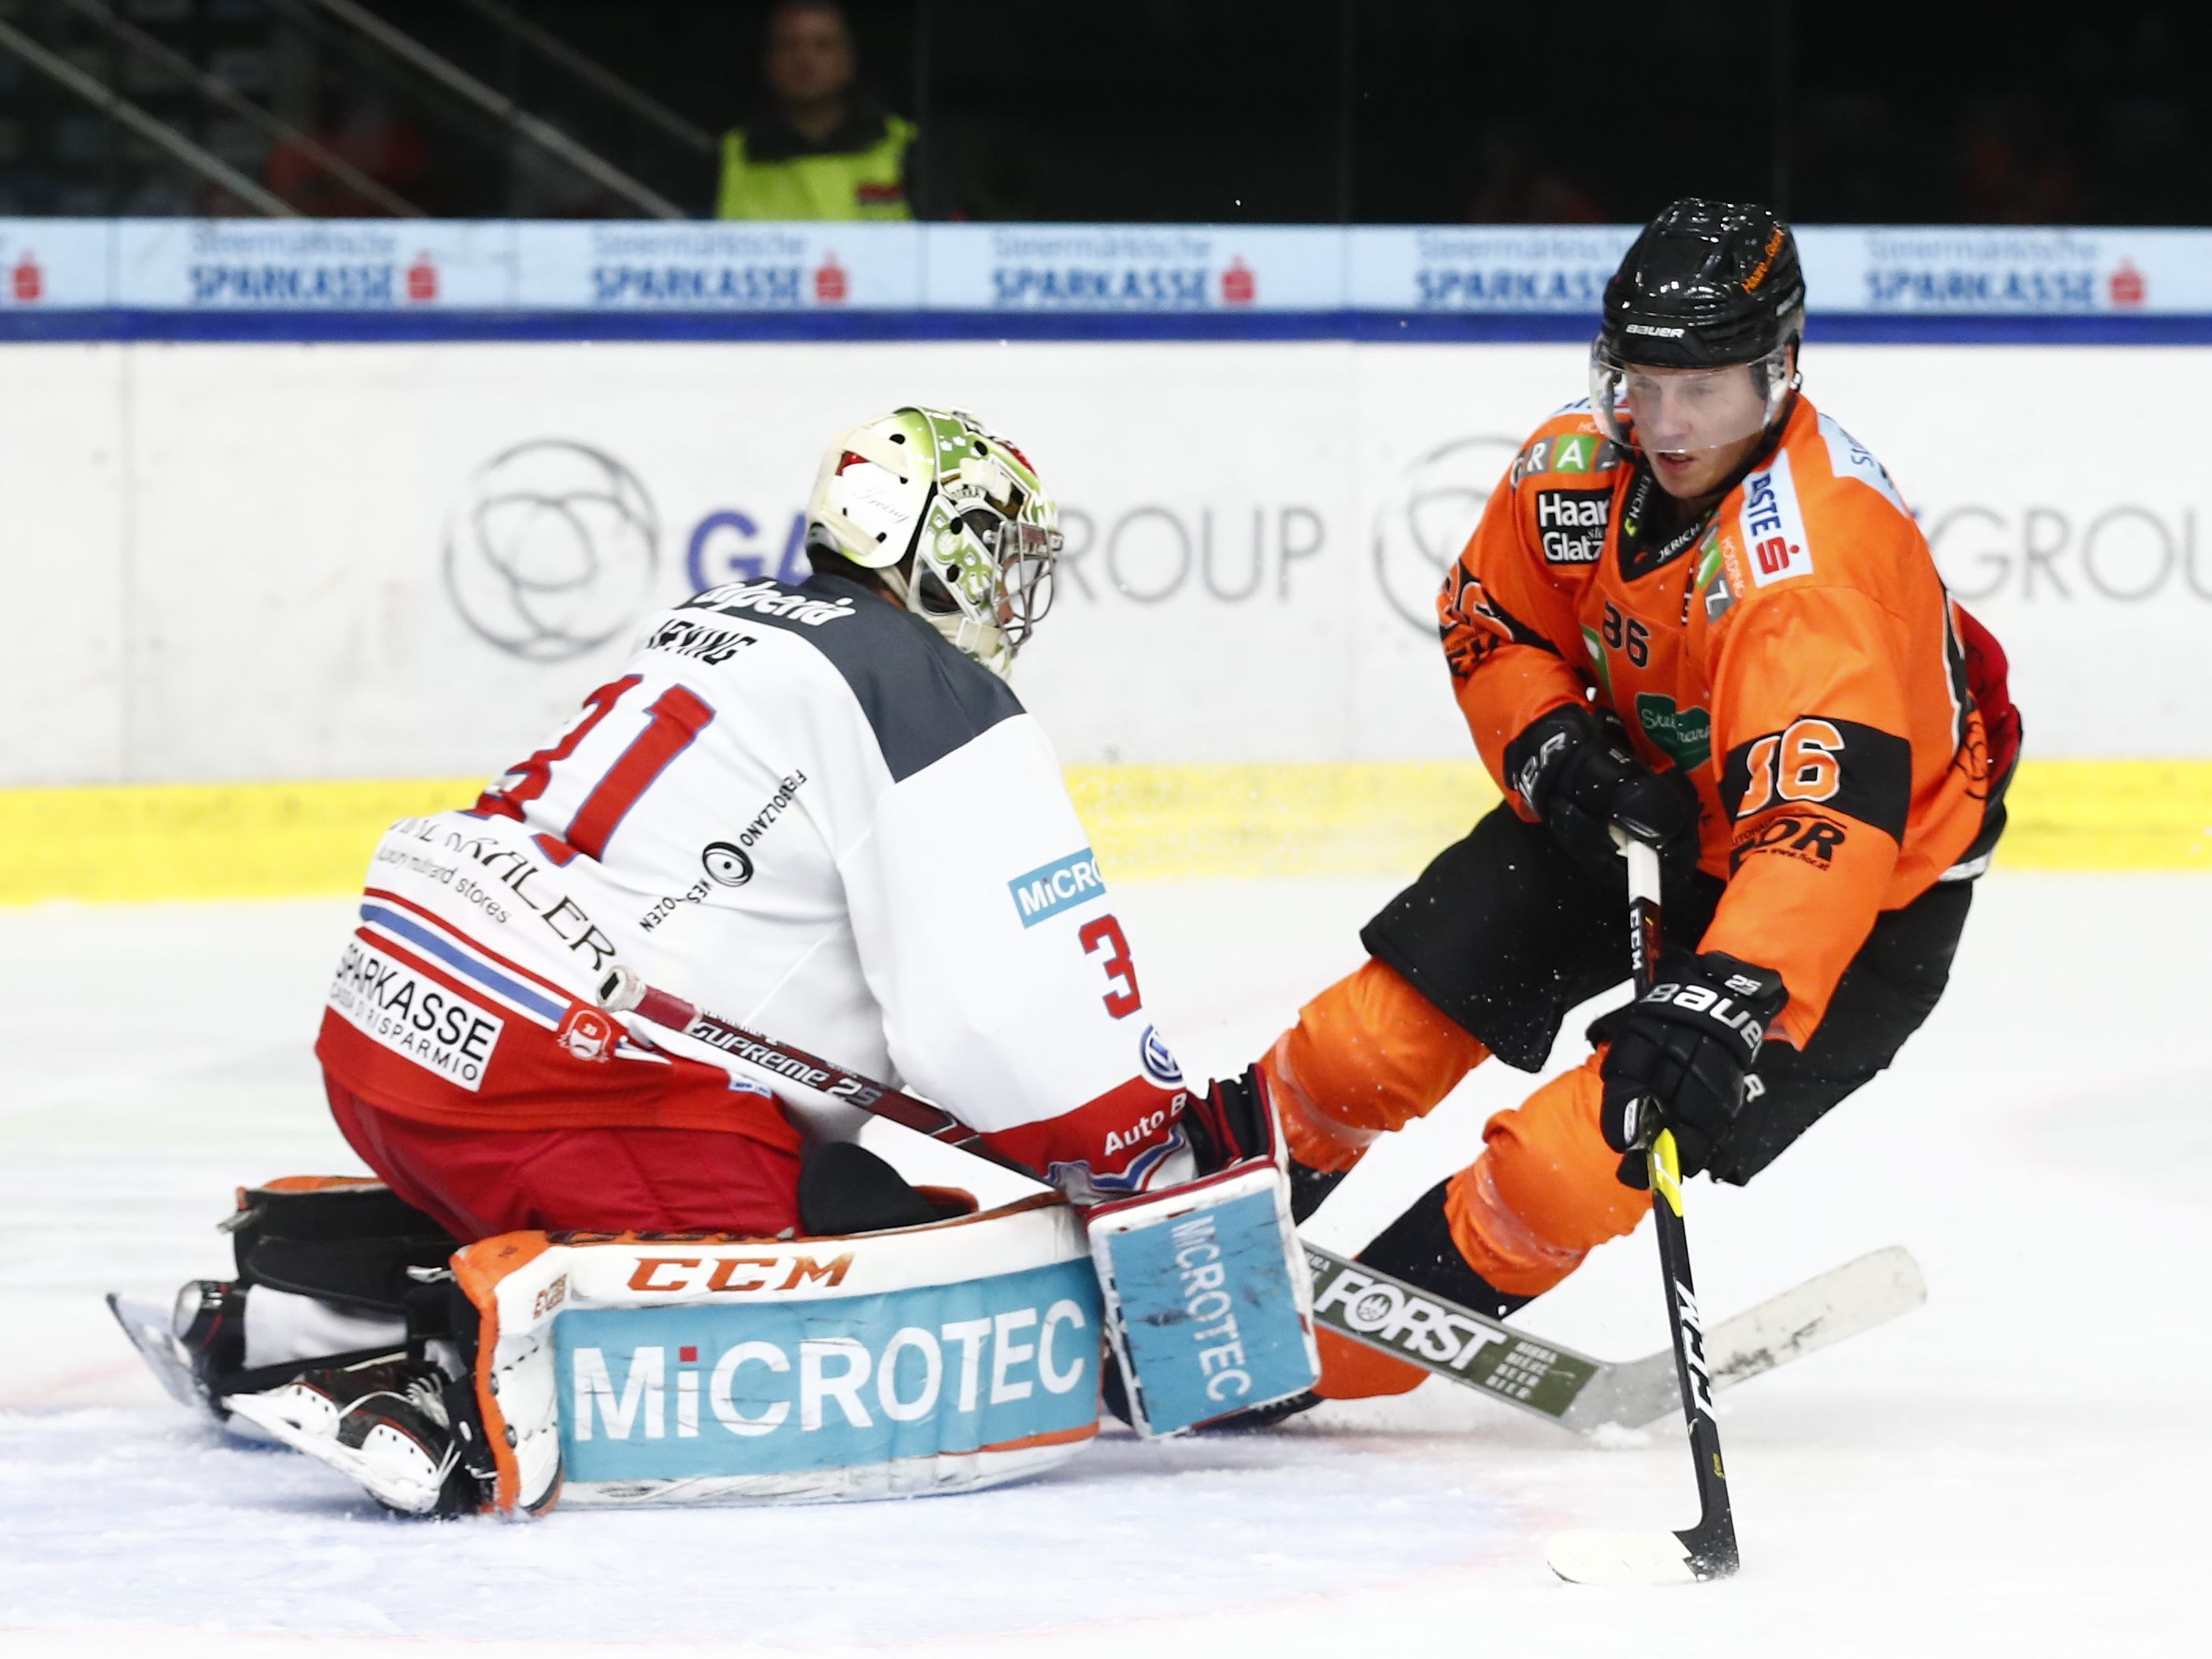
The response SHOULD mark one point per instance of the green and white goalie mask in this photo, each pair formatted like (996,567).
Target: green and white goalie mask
(965,503)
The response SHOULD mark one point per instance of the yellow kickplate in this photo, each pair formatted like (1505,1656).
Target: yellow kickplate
(1147,822)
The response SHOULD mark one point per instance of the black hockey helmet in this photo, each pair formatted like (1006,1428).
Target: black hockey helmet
(1707,283)
(1706,287)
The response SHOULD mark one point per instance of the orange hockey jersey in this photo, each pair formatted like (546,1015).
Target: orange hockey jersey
(1793,651)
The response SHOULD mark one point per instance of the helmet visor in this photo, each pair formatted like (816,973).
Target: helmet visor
(1677,412)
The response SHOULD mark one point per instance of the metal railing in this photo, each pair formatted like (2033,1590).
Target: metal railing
(508,114)
(163,137)
(220,94)
(594,74)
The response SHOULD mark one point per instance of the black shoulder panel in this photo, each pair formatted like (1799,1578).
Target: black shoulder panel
(922,695)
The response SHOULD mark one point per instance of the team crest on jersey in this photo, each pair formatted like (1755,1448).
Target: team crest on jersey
(1773,527)
(1159,1063)
(589,1034)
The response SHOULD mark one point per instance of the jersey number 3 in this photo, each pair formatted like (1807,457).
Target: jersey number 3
(1127,999)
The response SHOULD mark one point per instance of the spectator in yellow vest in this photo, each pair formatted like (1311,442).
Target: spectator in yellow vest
(822,146)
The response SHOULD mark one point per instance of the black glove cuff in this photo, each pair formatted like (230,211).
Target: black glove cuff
(1731,1002)
(1230,1122)
(1539,758)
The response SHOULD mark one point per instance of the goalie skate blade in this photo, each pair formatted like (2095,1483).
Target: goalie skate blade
(148,1328)
(1596,1556)
(408,1490)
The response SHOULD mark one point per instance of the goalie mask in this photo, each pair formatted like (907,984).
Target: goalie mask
(965,503)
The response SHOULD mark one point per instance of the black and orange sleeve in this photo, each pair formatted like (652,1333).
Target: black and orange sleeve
(1506,632)
(1810,719)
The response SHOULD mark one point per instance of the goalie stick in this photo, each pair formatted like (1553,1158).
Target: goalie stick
(1707,1550)
(1466,1348)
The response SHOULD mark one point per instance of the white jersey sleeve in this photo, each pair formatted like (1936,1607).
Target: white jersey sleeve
(1006,981)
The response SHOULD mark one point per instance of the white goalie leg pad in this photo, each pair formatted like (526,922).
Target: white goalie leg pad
(1209,1304)
(636,1369)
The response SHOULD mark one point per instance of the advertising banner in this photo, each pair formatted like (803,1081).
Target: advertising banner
(242,562)
(577,268)
(56,265)
(328,264)
(1535,268)
(2006,271)
(1117,268)
(640,266)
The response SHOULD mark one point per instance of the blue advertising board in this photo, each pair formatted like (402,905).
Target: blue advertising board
(436,279)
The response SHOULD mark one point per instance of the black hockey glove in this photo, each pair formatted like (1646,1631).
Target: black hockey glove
(1232,1120)
(1685,1045)
(1579,777)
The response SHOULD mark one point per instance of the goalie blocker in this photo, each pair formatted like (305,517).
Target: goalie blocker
(1209,1306)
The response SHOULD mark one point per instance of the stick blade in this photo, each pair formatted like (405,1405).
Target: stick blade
(1598,1555)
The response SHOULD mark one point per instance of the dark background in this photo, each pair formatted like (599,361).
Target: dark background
(1299,110)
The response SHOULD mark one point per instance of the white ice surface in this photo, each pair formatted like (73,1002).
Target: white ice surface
(2019,1469)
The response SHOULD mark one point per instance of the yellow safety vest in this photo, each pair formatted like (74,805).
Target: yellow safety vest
(864,184)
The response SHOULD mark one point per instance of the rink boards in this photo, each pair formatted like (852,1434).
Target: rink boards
(288,582)
(1147,822)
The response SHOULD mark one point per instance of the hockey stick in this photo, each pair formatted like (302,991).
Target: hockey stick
(1576,1391)
(1466,1348)
(1707,1550)
(623,992)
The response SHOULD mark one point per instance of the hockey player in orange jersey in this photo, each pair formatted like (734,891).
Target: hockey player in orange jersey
(1696,608)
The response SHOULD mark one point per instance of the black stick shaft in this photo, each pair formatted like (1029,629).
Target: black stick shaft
(1712,1543)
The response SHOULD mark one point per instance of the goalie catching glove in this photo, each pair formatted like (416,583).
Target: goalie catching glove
(1209,1302)
(1682,1051)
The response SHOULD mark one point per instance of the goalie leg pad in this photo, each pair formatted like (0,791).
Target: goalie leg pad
(1208,1303)
(704,1368)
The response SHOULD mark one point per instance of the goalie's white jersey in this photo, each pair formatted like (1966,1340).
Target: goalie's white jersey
(801,808)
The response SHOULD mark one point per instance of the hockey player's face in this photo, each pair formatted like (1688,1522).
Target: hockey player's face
(1695,424)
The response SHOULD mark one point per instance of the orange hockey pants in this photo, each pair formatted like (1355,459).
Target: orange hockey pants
(1369,1055)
